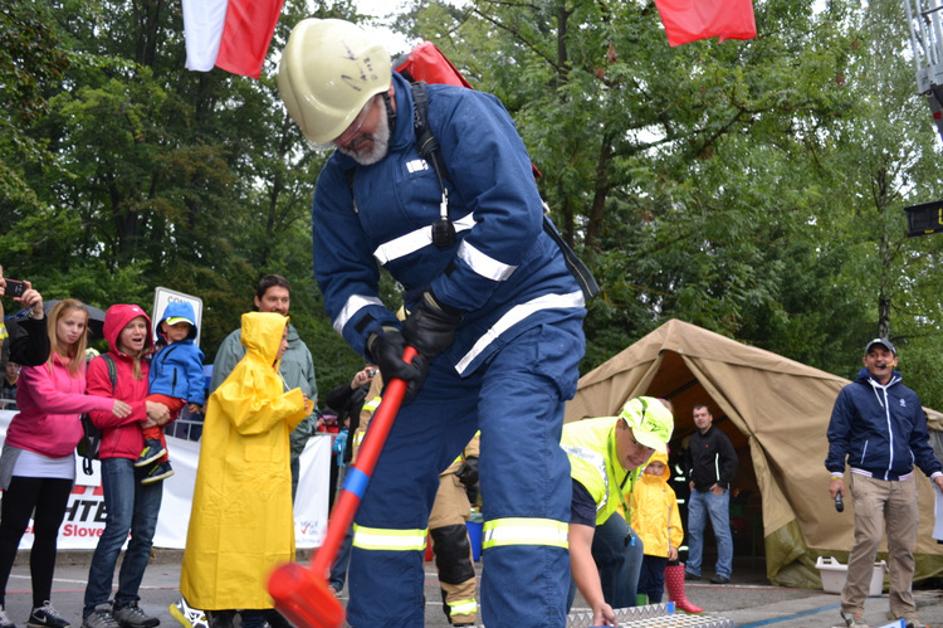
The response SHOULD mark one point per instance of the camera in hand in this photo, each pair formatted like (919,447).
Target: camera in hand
(15,288)
(839,503)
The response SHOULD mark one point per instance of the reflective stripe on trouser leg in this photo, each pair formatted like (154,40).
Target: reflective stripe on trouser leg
(389,539)
(463,611)
(385,584)
(525,477)
(524,531)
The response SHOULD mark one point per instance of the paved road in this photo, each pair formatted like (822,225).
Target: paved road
(747,603)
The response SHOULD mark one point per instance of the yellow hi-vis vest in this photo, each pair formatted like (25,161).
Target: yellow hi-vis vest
(591,447)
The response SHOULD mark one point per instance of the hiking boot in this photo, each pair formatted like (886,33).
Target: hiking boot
(5,620)
(101,617)
(152,452)
(852,620)
(131,616)
(46,615)
(157,473)
(188,616)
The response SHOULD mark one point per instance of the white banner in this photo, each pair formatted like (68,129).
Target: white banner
(85,514)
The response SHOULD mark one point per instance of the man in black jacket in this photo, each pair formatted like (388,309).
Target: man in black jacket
(29,342)
(710,469)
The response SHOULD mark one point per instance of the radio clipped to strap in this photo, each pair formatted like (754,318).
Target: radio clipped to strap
(443,231)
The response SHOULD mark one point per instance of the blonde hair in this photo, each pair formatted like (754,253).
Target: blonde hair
(75,353)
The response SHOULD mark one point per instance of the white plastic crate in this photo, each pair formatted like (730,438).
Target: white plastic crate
(834,575)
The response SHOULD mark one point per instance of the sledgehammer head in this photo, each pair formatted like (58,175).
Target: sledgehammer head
(303,598)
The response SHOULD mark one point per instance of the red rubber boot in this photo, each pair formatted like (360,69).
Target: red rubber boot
(674,582)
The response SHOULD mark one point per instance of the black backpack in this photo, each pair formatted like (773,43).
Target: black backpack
(91,436)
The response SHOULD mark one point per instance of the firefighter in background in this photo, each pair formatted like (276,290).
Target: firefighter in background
(453,553)
(495,314)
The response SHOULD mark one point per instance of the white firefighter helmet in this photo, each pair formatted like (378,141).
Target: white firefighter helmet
(328,71)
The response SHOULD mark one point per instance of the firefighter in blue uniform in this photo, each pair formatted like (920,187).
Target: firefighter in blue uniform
(494,312)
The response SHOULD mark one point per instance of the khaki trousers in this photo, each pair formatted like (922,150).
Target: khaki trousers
(878,503)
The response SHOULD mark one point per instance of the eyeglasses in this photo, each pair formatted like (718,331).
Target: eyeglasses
(352,131)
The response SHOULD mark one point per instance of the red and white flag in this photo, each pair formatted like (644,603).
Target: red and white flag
(230,34)
(689,20)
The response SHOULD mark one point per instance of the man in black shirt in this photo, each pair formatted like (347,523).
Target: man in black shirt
(710,469)
(28,339)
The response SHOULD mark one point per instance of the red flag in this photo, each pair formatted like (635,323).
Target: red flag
(689,20)
(247,34)
(231,34)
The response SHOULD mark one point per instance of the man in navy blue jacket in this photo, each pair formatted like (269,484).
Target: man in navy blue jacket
(493,311)
(879,426)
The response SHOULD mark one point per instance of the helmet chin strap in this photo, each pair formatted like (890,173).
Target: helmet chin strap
(390,112)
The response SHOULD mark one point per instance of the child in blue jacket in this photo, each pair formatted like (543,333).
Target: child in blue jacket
(176,379)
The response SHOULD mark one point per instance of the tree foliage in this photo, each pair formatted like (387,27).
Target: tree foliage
(754,188)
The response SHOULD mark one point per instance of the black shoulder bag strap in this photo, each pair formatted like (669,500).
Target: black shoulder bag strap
(428,148)
(88,427)
(112,371)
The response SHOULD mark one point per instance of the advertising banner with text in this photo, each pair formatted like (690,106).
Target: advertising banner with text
(85,513)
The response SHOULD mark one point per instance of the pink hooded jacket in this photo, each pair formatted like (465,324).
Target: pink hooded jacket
(121,438)
(50,401)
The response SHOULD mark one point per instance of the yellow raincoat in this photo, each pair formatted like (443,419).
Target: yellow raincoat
(655,516)
(241,523)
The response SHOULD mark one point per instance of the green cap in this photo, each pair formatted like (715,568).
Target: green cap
(651,422)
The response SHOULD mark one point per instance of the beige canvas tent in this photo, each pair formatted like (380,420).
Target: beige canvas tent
(776,412)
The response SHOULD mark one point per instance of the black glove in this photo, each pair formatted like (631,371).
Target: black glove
(386,351)
(430,326)
(467,474)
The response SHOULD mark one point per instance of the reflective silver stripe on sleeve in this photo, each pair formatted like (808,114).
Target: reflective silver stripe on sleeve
(415,240)
(515,315)
(355,303)
(598,462)
(484,265)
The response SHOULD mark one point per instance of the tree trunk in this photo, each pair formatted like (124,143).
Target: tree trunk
(597,210)
(147,14)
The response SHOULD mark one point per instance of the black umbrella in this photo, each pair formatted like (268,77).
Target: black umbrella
(96,317)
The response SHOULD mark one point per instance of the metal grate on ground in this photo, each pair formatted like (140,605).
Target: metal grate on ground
(652,616)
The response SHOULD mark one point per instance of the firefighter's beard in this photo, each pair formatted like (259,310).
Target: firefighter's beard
(370,148)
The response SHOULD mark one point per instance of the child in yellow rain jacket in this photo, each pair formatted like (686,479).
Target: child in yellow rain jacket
(241,523)
(655,518)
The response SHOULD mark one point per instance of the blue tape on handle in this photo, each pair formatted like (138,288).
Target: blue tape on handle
(356,482)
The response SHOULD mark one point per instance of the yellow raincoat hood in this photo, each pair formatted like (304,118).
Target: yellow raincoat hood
(241,523)
(655,516)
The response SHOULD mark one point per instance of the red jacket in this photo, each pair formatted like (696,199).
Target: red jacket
(121,438)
